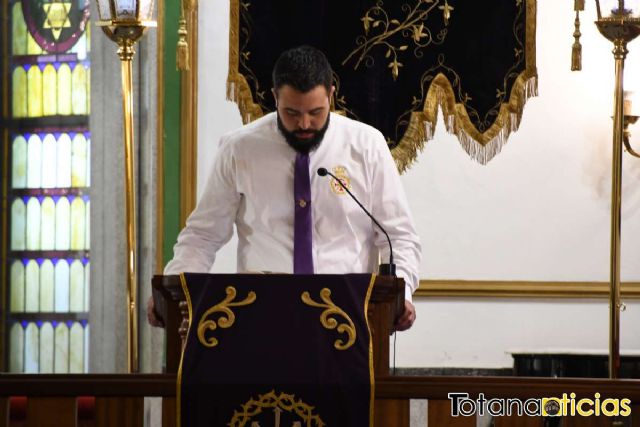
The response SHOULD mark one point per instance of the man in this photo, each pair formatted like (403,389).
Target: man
(288,218)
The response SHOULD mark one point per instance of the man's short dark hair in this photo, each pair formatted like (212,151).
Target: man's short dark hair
(303,68)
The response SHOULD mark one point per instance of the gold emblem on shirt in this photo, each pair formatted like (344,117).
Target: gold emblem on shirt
(341,173)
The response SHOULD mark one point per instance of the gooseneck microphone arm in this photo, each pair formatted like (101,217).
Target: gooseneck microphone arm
(391,269)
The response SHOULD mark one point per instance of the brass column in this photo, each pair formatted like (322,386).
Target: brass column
(125,34)
(620,53)
(126,52)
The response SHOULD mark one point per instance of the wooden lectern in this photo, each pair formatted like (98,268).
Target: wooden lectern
(385,304)
(387,301)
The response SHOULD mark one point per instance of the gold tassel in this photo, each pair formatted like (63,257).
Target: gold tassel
(182,48)
(576,51)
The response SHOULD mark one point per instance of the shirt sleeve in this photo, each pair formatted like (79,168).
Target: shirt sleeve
(210,225)
(391,208)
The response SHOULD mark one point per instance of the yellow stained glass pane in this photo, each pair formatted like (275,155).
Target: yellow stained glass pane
(88,90)
(88,162)
(32,287)
(77,224)
(18,225)
(18,30)
(79,161)
(34,161)
(47,278)
(16,348)
(49,90)
(64,90)
(76,288)
(46,348)
(87,271)
(79,88)
(19,93)
(63,224)
(33,48)
(87,33)
(63,157)
(76,349)
(19,162)
(31,349)
(86,348)
(17,287)
(34,91)
(61,352)
(48,225)
(62,286)
(87,236)
(49,152)
(33,224)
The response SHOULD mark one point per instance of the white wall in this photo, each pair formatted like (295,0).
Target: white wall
(539,211)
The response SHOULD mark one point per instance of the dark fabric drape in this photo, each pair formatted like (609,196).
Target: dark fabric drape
(262,348)
(396,62)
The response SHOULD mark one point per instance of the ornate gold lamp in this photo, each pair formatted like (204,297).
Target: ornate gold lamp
(124,22)
(619,22)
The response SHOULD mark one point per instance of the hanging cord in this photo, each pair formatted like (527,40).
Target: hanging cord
(576,51)
(182,48)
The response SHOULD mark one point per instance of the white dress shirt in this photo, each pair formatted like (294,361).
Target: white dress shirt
(251,186)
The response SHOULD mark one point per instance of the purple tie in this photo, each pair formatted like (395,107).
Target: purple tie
(302,235)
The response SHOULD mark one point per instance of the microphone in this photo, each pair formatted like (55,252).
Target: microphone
(384,269)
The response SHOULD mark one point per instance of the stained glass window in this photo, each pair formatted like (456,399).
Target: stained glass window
(48,148)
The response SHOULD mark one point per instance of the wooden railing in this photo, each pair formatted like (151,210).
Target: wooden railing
(118,400)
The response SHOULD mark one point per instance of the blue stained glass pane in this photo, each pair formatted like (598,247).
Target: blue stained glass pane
(39,261)
(39,323)
(69,323)
(24,324)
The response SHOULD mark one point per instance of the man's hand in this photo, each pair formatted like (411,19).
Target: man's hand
(407,318)
(152,317)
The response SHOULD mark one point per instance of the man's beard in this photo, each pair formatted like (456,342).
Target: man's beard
(299,144)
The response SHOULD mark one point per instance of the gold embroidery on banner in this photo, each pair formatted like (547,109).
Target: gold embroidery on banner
(238,83)
(481,144)
(329,322)
(379,28)
(279,402)
(227,317)
(341,173)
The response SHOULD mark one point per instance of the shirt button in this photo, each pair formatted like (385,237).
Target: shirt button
(302,203)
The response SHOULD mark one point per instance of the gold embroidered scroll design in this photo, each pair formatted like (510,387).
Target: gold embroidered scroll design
(330,322)
(279,402)
(379,29)
(483,143)
(227,316)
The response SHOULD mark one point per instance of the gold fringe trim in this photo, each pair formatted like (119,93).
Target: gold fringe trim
(238,89)
(482,147)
